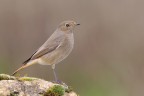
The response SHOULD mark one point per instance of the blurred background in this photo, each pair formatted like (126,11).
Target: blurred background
(108,57)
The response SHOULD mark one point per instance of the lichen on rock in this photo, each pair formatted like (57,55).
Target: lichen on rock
(29,86)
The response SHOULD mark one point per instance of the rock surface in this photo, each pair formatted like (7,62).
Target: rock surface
(28,86)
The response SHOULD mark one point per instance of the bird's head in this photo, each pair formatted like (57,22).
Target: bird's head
(67,26)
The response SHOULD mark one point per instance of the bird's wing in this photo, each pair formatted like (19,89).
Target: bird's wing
(42,51)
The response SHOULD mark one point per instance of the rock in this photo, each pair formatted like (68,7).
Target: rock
(29,86)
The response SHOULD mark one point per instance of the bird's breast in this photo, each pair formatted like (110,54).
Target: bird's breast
(59,53)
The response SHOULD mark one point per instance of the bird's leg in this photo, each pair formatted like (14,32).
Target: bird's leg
(55,76)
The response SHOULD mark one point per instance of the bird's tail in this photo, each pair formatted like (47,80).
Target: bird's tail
(24,66)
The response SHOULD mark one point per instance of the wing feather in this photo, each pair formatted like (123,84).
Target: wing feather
(50,45)
(42,51)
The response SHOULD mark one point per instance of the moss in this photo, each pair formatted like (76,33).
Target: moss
(27,79)
(69,89)
(56,90)
(14,94)
(6,77)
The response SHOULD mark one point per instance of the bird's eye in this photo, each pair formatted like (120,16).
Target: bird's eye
(67,25)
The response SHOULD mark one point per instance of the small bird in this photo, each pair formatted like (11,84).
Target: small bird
(55,49)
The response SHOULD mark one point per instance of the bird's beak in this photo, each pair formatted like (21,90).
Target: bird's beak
(77,24)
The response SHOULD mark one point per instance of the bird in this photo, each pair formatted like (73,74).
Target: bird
(57,47)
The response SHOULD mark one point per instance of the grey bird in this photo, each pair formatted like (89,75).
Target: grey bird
(55,49)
